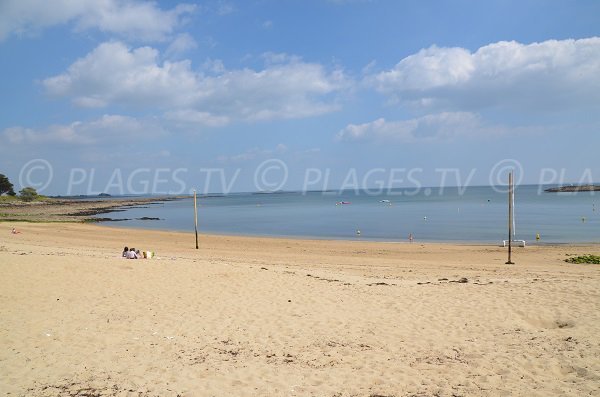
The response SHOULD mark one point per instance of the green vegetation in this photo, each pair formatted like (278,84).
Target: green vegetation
(8,199)
(8,195)
(5,186)
(28,194)
(18,199)
(595,259)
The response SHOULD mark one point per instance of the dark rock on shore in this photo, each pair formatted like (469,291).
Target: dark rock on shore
(73,210)
(108,219)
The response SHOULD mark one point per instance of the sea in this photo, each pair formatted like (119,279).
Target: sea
(475,214)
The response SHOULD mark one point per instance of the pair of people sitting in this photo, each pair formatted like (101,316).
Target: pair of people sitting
(132,253)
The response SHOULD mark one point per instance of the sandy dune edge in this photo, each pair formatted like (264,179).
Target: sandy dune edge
(276,317)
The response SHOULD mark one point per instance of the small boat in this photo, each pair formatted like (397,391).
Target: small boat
(342,202)
(384,201)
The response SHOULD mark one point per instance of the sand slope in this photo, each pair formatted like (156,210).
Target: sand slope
(275,317)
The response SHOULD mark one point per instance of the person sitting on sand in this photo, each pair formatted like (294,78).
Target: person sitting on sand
(15,231)
(131,254)
(125,251)
(138,254)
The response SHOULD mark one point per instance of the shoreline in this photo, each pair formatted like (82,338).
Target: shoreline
(186,239)
(529,243)
(83,211)
(73,210)
(465,243)
(573,189)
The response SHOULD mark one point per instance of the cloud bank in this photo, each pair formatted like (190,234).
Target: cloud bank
(450,88)
(542,76)
(137,20)
(106,129)
(113,74)
(434,127)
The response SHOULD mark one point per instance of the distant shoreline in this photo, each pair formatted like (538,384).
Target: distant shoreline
(73,210)
(574,188)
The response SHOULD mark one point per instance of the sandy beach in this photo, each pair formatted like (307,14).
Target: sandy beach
(246,316)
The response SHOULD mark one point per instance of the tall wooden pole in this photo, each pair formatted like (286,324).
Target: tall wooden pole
(196,219)
(510,216)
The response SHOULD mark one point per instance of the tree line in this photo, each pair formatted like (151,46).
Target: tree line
(7,188)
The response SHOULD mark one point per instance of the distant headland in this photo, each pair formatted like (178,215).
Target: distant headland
(574,188)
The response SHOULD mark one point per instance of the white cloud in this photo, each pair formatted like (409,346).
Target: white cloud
(428,69)
(215,66)
(55,133)
(29,16)
(182,44)
(128,18)
(116,75)
(108,128)
(435,127)
(283,91)
(540,76)
(112,73)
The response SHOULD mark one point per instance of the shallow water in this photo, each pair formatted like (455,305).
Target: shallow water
(473,214)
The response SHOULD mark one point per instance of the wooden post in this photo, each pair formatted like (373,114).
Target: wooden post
(510,216)
(196,219)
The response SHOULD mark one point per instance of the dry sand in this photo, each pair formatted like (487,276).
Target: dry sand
(279,317)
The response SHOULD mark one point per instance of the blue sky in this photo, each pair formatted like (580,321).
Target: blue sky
(163,97)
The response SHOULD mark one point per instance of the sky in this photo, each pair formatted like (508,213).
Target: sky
(219,96)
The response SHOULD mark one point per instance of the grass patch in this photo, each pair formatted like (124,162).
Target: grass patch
(17,199)
(593,259)
(8,199)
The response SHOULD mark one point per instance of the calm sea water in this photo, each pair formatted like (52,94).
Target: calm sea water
(473,214)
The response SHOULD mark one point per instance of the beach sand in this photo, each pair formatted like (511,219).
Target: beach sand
(281,317)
